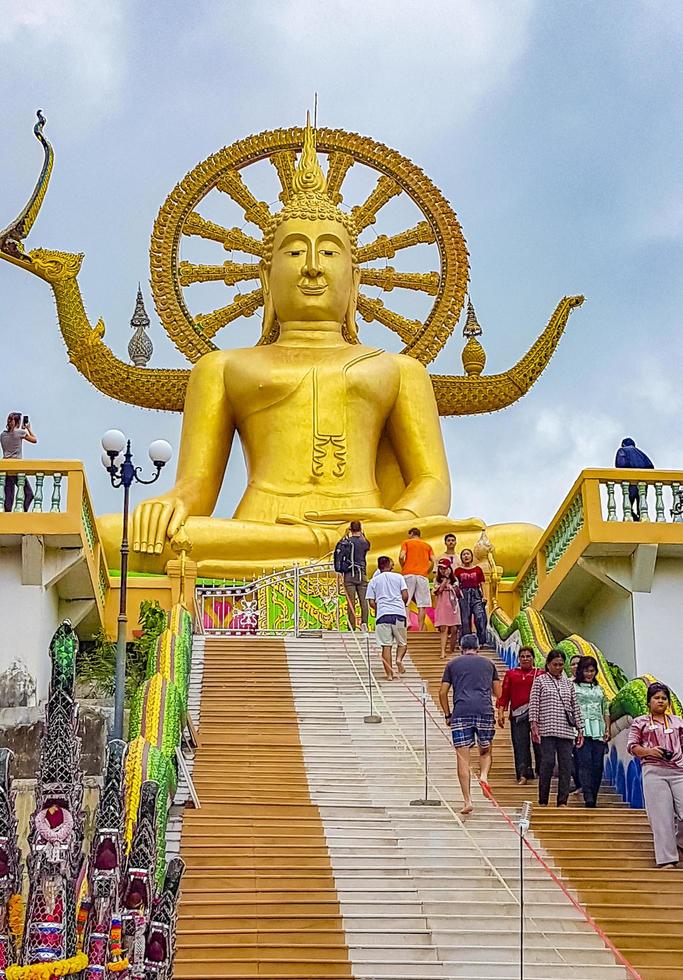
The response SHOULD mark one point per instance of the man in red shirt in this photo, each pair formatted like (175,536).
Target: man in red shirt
(515,696)
(470,579)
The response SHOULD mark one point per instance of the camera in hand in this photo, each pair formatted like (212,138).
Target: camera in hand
(25,421)
(667,754)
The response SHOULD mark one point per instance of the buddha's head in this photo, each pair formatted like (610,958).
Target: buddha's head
(309,271)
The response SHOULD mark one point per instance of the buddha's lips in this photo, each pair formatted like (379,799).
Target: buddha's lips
(313,290)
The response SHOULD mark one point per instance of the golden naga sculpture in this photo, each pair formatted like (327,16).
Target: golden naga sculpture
(331,429)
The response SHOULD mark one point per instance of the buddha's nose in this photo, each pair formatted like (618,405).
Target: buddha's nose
(311,266)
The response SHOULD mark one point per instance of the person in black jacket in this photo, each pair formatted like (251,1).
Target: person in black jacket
(630,457)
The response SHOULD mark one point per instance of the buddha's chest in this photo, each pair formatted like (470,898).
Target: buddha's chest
(328,391)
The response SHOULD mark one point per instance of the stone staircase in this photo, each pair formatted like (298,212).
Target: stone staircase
(307,860)
(605,855)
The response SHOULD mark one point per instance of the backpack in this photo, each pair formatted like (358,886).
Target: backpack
(343,556)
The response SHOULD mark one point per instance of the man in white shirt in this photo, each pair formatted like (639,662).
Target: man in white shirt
(388,595)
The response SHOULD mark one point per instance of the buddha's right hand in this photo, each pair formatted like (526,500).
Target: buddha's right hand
(155,520)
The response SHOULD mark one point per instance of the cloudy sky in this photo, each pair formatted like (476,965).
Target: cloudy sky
(553,128)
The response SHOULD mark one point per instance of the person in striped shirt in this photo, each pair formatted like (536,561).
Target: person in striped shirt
(556,724)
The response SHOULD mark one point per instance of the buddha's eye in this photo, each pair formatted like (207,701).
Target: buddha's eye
(296,252)
(328,252)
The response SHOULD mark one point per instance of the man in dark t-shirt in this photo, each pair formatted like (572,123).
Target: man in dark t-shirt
(356,581)
(474,681)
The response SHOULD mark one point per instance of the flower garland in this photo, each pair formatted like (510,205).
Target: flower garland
(58,835)
(16,915)
(46,971)
(118,966)
(118,961)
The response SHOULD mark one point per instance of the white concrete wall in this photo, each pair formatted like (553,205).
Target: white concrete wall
(659,649)
(28,619)
(607,621)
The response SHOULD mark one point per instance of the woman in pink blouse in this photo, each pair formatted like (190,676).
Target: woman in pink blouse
(655,739)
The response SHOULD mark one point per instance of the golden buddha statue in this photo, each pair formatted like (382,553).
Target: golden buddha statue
(332,430)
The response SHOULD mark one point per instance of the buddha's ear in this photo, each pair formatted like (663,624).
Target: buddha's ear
(350,328)
(269,328)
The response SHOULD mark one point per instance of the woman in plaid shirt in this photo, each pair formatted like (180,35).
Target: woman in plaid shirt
(556,723)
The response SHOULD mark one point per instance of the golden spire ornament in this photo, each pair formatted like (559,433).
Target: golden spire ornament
(473,355)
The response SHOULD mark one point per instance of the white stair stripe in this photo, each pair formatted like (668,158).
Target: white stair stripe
(422,894)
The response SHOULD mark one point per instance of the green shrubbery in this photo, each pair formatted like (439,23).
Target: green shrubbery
(96,658)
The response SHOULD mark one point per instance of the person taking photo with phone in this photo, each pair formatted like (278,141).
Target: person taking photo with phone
(655,739)
(11,441)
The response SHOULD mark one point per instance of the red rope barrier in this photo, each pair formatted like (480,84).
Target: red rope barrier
(488,793)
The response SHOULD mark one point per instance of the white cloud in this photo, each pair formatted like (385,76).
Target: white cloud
(73,46)
(423,65)
(658,391)
(527,476)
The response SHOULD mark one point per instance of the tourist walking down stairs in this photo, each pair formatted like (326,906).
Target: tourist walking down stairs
(446,605)
(556,723)
(594,709)
(515,696)
(655,739)
(388,595)
(472,603)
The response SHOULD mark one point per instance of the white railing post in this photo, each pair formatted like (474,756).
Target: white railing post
(297,611)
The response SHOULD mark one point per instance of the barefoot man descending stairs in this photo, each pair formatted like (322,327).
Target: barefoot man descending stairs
(388,595)
(473,679)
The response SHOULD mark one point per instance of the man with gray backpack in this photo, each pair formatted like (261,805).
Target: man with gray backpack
(350,562)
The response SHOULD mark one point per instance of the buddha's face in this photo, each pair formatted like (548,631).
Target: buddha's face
(311,276)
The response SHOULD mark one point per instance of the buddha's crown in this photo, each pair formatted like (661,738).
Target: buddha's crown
(309,198)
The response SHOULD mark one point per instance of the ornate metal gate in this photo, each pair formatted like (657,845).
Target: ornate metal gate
(300,600)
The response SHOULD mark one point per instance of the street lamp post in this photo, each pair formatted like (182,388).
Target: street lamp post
(123,473)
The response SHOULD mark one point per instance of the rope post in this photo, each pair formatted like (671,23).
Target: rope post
(372,718)
(524,821)
(425,801)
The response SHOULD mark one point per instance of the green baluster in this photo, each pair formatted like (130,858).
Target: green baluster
(659,503)
(564,540)
(642,501)
(38,499)
(628,516)
(677,508)
(56,493)
(611,502)
(21,485)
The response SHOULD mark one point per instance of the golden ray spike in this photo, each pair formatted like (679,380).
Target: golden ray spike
(257,212)
(246,304)
(229,272)
(338,165)
(285,163)
(366,213)
(388,279)
(386,248)
(374,309)
(230,238)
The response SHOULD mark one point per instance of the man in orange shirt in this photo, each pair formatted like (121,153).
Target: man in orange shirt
(417,561)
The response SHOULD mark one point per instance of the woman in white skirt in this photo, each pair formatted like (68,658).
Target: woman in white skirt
(655,739)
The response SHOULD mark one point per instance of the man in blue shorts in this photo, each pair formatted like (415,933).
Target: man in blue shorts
(475,681)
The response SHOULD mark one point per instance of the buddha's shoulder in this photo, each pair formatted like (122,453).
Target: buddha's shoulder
(221,360)
(405,365)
